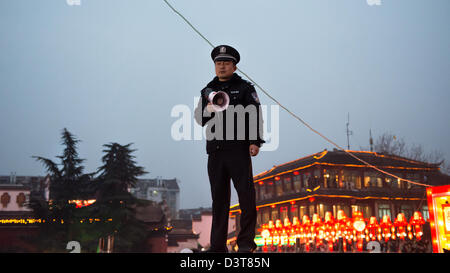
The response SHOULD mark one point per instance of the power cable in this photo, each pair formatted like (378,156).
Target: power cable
(293,114)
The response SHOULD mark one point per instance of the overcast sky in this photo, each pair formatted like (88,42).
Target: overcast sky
(112,71)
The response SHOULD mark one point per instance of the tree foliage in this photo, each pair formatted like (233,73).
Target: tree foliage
(67,182)
(389,143)
(113,213)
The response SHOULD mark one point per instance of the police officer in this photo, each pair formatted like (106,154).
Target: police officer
(229,153)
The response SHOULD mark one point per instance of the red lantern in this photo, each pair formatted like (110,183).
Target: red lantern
(400,223)
(329,229)
(373,228)
(358,221)
(359,225)
(265,234)
(342,227)
(317,229)
(277,231)
(341,223)
(417,222)
(296,226)
(287,230)
(271,228)
(385,225)
(306,231)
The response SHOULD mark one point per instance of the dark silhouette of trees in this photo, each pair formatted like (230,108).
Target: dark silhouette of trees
(67,182)
(112,215)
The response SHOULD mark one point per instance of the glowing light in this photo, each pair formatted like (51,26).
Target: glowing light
(82,203)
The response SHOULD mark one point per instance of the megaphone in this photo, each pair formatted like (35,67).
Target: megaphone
(219,99)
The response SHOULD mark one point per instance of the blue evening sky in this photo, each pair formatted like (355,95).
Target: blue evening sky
(111,71)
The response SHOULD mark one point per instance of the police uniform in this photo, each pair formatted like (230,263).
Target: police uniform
(229,158)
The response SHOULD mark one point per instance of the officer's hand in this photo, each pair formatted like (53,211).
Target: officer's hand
(254,150)
(210,108)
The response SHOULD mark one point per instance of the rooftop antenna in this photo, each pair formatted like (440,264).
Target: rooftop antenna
(371,140)
(349,133)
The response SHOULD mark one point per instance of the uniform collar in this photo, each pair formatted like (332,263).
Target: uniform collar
(216,81)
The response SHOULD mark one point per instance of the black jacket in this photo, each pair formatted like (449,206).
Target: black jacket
(242,94)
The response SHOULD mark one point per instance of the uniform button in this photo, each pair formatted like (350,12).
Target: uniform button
(217,146)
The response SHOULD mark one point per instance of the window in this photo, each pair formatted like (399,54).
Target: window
(425,213)
(294,212)
(275,214)
(302,211)
(343,207)
(330,178)
(283,213)
(372,179)
(407,210)
(413,177)
(311,211)
(297,183)
(395,182)
(355,208)
(306,178)
(265,216)
(351,179)
(365,209)
(287,185)
(279,187)
(384,209)
(321,210)
(259,219)
(269,189)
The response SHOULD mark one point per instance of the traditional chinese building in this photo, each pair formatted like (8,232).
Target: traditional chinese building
(334,180)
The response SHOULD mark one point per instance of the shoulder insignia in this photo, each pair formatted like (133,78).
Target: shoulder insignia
(255,96)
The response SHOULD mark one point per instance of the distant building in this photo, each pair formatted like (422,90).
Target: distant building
(17,223)
(182,237)
(201,223)
(157,230)
(164,191)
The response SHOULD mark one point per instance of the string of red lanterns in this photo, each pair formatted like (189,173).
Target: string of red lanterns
(357,229)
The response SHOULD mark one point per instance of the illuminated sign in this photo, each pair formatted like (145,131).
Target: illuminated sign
(439,207)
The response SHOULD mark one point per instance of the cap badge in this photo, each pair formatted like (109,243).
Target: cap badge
(223,49)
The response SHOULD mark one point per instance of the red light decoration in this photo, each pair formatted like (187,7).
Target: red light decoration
(372,228)
(439,208)
(416,223)
(82,203)
(385,226)
(359,226)
(315,232)
(329,229)
(400,223)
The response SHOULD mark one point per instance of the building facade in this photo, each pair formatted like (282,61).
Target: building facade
(164,191)
(18,226)
(334,180)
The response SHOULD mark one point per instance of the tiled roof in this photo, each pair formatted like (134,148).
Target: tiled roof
(338,157)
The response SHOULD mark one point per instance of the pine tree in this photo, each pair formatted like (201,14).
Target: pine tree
(66,183)
(114,201)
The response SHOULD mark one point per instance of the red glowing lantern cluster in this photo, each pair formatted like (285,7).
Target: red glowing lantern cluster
(317,232)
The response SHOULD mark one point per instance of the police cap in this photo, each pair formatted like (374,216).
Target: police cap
(225,53)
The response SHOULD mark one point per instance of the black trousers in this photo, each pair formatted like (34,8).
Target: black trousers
(236,165)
